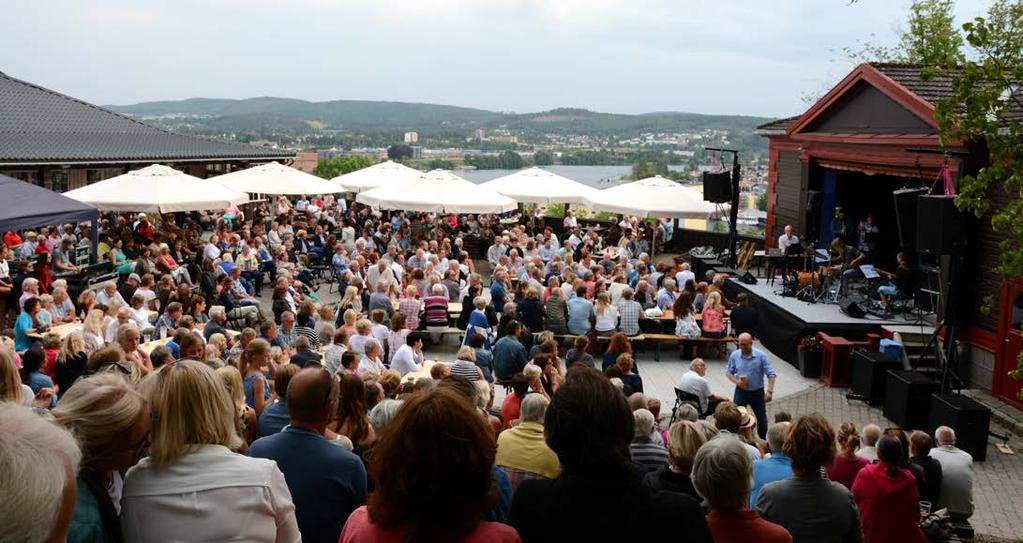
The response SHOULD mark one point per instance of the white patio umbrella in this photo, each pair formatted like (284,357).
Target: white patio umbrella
(438,191)
(539,186)
(157,189)
(377,175)
(654,197)
(276,178)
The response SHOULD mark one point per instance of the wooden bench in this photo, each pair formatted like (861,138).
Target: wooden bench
(657,338)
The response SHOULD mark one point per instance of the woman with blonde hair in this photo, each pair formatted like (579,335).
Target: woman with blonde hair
(847,463)
(11,387)
(245,421)
(713,316)
(350,301)
(92,330)
(411,306)
(193,435)
(684,439)
(607,315)
(465,364)
(255,386)
(71,361)
(111,422)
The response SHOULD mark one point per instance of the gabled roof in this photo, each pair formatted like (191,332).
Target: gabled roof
(934,87)
(777,126)
(39,126)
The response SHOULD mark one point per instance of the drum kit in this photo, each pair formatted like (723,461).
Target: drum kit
(816,280)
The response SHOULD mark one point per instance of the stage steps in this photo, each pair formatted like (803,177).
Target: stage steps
(914,341)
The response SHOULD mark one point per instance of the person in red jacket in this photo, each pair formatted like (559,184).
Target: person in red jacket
(887,497)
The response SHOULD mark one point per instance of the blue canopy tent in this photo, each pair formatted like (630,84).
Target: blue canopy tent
(30,206)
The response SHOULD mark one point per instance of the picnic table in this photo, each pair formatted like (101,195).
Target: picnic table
(62,330)
(454,308)
(414,376)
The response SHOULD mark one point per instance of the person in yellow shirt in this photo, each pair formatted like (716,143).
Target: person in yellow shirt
(521,449)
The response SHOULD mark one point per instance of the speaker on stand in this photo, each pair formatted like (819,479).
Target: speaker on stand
(905,215)
(717,187)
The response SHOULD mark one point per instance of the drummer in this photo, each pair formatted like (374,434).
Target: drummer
(849,258)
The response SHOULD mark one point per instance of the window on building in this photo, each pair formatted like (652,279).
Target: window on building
(57,180)
(99,174)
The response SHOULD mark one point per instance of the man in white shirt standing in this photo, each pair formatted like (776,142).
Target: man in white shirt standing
(956,493)
(870,434)
(694,382)
(787,239)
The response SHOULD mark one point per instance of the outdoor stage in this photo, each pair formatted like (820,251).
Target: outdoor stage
(784,321)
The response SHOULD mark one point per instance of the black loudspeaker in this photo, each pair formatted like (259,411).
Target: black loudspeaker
(748,278)
(701,265)
(869,373)
(939,225)
(907,399)
(854,310)
(969,418)
(905,215)
(717,187)
(813,201)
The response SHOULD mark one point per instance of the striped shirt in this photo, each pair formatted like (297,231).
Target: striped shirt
(410,308)
(436,310)
(466,369)
(310,334)
(648,454)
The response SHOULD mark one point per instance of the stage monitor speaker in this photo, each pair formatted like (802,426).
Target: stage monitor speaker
(717,187)
(939,226)
(905,215)
(748,278)
(869,373)
(907,399)
(854,310)
(970,419)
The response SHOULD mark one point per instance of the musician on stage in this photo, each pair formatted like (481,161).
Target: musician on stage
(849,258)
(868,235)
(841,226)
(787,239)
(900,282)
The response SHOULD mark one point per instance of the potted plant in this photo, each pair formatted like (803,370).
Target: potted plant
(809,354)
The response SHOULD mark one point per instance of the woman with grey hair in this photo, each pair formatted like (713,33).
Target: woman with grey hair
(383,413)
(722,473)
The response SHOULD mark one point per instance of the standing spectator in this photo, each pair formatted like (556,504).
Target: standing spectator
(847,463)
(454,454)
(521,450)
(956,475)
(747,368)
(871,433)
(809,506)
(776,467)
(589,426)
(721,474)
(326,482)
(920,445)
(241,498)
(887,497)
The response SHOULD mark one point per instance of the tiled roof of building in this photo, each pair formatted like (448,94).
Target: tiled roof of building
(778,125)
(38,125)
(934,89)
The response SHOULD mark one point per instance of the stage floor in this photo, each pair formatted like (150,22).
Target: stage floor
(810,313)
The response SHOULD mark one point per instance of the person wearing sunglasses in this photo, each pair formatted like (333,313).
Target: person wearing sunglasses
(111,422)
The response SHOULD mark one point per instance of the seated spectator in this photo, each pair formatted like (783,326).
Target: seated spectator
(625,363)
(721,474)
(245,416)
(409,357)
(847,462)
(580,313)
(871,433)
(695,382)
(629,311)
(241,498)
(382,414)
(363,331)
(521,449)
(887,497)
(809,506)
(435,312)
(684,439)
(160,357)
(648,454)
(372,361)
(713,317)
(577,355)
(40,460)
(511,406)
(531,311)
(71,360)
(32,362)
(304,328)
(453,450)
(332,354)
(744,317)
(619,344)
(509,353)
(920,445)
(111,422)
(251,362)
(465,364)
(326,482)
(956,475)
(556,310)
(350,419)
(275,415)
(589,426)
(776,467)
(484,358)
(304,355)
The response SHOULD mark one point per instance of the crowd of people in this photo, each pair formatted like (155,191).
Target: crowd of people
(180,407)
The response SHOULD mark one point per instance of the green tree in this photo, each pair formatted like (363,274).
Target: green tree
(987,107)
(543,158)
(331,168)
(438,164)
(762,202)
(510,160)
(644,168)
(399,151)
(931,38)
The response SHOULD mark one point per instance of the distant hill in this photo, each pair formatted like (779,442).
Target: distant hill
(368,122)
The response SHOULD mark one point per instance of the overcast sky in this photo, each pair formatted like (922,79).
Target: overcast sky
(755,57)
